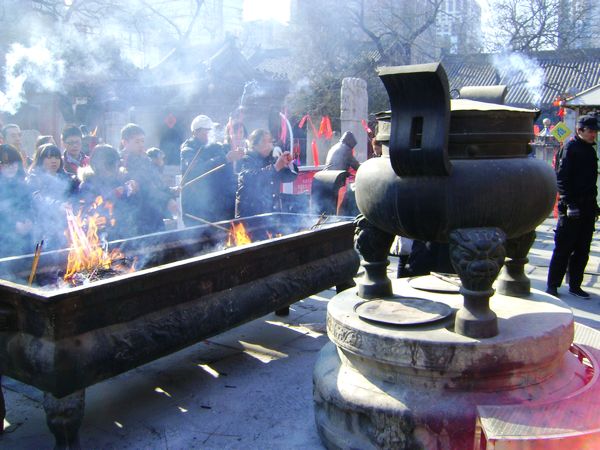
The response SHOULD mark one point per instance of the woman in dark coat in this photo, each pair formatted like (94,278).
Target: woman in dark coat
(16,218)
(261,175)
(102,178)
(53,189)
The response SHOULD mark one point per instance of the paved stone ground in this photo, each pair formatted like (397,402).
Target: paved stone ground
(249,388)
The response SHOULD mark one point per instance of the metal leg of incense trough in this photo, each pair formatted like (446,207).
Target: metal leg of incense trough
(64,416)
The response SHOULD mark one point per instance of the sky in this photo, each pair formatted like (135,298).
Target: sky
(267,9)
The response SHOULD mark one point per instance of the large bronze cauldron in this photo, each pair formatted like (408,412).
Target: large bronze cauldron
(457,174)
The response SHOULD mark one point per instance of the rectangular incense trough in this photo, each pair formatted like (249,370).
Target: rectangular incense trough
(187,289)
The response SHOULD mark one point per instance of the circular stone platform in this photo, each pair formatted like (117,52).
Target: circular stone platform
(393,386)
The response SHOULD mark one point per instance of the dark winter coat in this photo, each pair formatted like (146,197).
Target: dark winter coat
(340,157)
(50,193)
(15,206)
(576,175)
(117,204)
(149,210)
(212,197)
(259,185)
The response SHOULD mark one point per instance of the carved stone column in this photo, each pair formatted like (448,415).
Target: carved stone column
(354,108)
(374,246)
(64,417)
(477,254)
(512,279)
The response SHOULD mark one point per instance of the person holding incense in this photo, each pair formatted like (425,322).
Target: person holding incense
(103,178)
(154,199)
(208,181)
(261,175)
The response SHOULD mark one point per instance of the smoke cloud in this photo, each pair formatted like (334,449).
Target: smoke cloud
(35,66)
(517,69)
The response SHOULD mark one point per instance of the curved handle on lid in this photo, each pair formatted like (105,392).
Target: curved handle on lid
(420,104)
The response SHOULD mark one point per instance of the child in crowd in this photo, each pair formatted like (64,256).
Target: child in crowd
(102,178)
(52,187)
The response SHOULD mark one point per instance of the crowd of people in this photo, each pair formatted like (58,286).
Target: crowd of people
(125,187)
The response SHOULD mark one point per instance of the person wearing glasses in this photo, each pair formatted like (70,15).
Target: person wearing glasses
(73,157)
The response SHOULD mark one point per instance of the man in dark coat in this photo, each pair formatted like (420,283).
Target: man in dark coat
(260,179)
(153,199)
(208,181)
(340,157)
(577,172)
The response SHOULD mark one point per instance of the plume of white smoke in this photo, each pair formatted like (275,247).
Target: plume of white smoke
(35,65)
(518,67)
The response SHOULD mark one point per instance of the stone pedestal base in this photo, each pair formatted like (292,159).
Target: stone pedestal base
(379,386)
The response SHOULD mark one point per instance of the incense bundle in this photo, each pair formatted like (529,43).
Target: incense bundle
(200,219)
(199,177)
(36,259)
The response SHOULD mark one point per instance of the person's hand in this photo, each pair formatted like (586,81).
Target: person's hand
(573,212)
(132,187)
(235,155)
(284,159)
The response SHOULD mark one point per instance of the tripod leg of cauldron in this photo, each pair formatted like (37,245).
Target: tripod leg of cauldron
(374,246)
(64,417)
(477,254)
(512,279)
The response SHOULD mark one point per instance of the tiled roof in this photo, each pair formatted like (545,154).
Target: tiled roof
(566,72)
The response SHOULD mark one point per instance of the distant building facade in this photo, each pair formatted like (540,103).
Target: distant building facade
(458,27)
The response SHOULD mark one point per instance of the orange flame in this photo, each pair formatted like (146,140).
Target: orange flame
(238,235)
(86,251)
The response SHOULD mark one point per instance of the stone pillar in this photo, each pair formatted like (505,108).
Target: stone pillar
(354,108)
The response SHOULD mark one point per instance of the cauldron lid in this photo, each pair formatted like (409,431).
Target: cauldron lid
(459,104)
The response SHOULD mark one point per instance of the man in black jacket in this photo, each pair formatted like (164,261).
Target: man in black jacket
(208,181)
(576,174)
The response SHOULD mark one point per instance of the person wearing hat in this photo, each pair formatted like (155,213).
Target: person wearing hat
(208,182)
(576,175)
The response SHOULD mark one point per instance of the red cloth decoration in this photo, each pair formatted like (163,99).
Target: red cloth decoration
(315,153)
(366,127)
(170,120)
(325,128)
(340,199)
(303,121)
(283,134)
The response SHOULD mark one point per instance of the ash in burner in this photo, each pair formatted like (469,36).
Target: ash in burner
(117,267)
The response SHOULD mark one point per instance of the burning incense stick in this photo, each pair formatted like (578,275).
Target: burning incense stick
(203,175)
(200,219)
(34,264)
(189,167)
(322,219)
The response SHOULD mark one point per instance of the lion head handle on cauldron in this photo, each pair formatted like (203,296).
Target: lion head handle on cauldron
(477,254)
(372,243)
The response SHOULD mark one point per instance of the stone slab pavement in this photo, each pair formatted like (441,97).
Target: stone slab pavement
(248,388)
